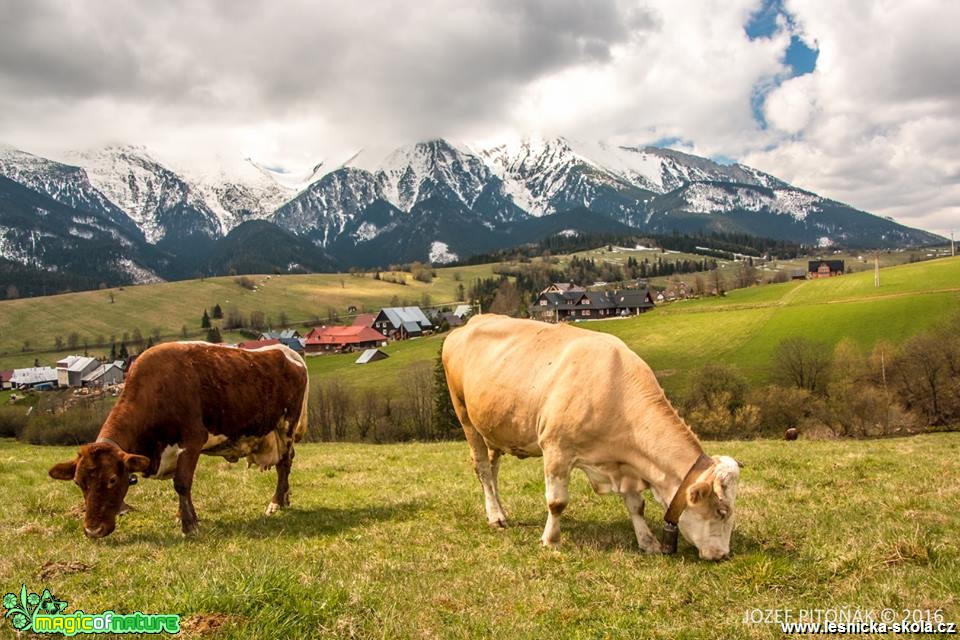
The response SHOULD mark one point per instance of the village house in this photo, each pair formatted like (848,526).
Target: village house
(5,377)
(824,268)
(564,301)
(72,369)
(364,320)
(400,323)
(285,334)
(341,339)
(462,311)
(105,375)
(34,377)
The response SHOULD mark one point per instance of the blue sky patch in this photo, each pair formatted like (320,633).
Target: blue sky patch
(799,58)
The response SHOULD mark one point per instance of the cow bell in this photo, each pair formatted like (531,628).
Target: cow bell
(132,479)
(669,537)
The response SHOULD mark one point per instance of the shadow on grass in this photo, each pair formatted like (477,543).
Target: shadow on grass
(608,536)
(292,522)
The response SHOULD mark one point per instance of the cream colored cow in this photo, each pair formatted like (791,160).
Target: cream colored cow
(583,400)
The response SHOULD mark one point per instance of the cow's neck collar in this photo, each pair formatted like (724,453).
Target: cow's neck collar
(679,501)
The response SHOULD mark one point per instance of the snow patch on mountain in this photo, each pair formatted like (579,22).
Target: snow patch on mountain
(440,253)
(704,197)
(138,274)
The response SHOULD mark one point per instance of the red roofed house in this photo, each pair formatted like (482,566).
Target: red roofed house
(256,344)
(5,377)
(364,320)
(325,339)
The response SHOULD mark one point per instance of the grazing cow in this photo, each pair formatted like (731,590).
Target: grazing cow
(182,399)
(583,400)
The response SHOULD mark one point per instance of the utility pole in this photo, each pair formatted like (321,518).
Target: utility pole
(953,249)
(876,269)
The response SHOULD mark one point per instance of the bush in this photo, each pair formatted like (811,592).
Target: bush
(12,421)
(246,282)
(71,427)
(802,363)
(781,408)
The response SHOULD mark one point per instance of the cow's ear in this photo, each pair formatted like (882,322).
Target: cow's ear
(698,492)
(64,470)
(135,464)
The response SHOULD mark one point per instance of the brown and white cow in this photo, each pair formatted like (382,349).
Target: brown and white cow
(182,399)
(584,400)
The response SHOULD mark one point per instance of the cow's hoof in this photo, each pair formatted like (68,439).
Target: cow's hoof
(499,523)
(550,544)
(272,508)
(190,530)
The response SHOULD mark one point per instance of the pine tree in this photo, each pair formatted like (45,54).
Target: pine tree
(213,335)
(113,351)
(205,320)
(445,418)
(123,354)
(217,312)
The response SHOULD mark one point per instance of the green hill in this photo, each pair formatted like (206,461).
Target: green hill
(740,329)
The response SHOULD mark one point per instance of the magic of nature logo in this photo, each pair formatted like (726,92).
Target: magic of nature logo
(44,613)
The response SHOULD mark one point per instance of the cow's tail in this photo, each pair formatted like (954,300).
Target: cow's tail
(300,429)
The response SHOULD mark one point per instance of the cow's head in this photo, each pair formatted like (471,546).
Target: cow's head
(102,471)
(707,522)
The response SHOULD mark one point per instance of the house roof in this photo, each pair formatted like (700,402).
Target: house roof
(835,265)
(257,344)
(6,375)
(463,310)
(76,364)
(370,355)
(398,315)
(97,373)
(410,326)
(344,335)
(633,298)
(34,375)
(364,320)
(452,319)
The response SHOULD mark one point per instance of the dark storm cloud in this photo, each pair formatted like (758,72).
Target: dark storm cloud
(403,67)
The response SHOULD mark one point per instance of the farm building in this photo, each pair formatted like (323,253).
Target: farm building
(371,355)
(32,377)
(364,320)
(824,268)
(400,323)
(563,301)
(105,375)
(72,369)
(462,311)
(279,335)
(339,339)
(5,379)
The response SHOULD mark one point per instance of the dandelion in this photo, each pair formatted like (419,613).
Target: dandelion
(20,622)
(9,601)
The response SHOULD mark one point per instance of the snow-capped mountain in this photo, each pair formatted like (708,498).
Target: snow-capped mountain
(162,204)
(427,201)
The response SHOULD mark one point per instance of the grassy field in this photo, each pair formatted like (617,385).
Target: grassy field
(741,329)
(391,542)
(170,306)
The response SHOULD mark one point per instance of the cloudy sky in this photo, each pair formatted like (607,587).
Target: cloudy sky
(858,100)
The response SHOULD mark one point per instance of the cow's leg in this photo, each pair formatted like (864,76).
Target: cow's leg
(645,538)
(183,484)
(485,472)
(281,498)
(556,471)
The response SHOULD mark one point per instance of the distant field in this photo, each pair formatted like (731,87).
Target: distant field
(743,328)
(390,541)
(170,306)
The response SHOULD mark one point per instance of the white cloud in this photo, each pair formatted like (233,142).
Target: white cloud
(293,82)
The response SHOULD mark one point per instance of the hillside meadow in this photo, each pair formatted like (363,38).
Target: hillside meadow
(741,329)
(390,541)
